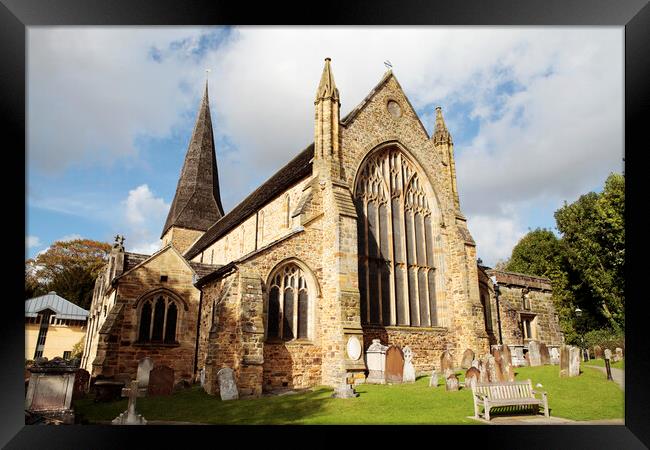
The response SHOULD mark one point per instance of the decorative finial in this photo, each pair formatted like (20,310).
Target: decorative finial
(388,65)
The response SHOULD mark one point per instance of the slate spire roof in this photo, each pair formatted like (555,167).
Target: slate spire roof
(197,202)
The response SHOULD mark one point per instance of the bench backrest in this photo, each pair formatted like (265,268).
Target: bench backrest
(505,390)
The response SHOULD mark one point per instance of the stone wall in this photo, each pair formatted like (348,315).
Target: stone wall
(181,238)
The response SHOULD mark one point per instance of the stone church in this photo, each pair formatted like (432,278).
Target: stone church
(359,237)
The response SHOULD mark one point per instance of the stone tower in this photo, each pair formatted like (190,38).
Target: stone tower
(341,321)
(197,202)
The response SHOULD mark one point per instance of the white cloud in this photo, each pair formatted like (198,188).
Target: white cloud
(495,236)
(143,215)
(32,241)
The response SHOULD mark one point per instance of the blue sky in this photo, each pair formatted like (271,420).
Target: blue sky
(536,116)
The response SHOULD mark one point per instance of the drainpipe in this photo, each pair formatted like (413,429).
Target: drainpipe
(198,333)
(496,293)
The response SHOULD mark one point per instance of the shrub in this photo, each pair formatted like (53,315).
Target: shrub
(605,338)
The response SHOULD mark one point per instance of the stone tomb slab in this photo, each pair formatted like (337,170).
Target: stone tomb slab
(161,381)
(394,364)
(227,385)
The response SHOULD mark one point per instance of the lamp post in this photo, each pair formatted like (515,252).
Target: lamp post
(496,294)
(578,312)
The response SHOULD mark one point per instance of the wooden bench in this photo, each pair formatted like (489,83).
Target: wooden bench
(516,394)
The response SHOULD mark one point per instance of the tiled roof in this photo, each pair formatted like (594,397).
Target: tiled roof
(520,279)
(294,171)
(204,269)
(63,308)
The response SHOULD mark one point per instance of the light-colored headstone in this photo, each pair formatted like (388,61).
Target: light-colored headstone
(227,385)
(507,355)
(409,371)
(574,362)
(618,354)
(534,356)
(518,355)
(353,348)
(475,363)
(130,416)
(144,369)
(433,381)
(202,376)
(376,362)
(491,370)
(555,355)
(483,377)
(471,377)
(468,357)
(452,383)
(49,393)
(608,354)
(345,390)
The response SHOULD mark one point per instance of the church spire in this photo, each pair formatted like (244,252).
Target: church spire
(441,134)
(197,202)
(327,86)
(443,142)
(327,158)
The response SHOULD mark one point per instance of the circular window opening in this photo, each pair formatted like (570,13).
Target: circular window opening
(394,109)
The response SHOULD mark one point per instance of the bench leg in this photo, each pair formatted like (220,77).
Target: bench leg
(486,413)
(476,409)
(546,413)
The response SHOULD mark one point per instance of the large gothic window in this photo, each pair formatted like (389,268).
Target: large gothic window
(289,304)
(158,320)
(396,243)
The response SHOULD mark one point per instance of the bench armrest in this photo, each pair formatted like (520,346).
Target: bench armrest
(539,392)
(480,396)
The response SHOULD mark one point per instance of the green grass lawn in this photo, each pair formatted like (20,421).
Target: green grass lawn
(601,363)
(588,396)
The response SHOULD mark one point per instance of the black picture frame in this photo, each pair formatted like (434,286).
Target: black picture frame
(17,15)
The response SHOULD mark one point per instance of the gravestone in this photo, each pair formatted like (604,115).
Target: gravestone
(394,364)
(534,357)
(564,361)
(408,374)
(618,354)
(483,376)
(498,361)
(144,369)
(598,352)
(227,385)
(376,362)
(555,355)
(81,379)
(202,376)
(491,370)
(574,362)
(452,383)
(475,363)
(49,392)
(433,381)
(468,357)
(130,416)
(505,370)
(518,355)
(345,390)
(507,355)
(545,356)
(608,353)
(446,362)
(161,381)
(472,377)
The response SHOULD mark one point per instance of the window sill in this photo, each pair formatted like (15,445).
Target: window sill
(156,344)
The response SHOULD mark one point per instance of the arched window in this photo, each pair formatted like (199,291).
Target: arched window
(396,243)
(289,304)
(158,320)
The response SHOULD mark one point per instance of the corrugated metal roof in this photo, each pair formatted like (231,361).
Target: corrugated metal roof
(62,307)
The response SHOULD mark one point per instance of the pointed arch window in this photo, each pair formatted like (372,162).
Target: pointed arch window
(289,304)
(397,268)
(158,321)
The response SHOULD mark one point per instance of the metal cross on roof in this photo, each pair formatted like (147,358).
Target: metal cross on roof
(388,64)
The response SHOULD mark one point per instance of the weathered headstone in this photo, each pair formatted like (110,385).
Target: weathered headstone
(608,353)
(598,352)
(130,416)
(574,362)
(202,376)
(545,356)
(472,377)
(499,365)
(483,377)
(144,369)
(491,369)
(227,385)
(505,371)
(408,374)
(376,362)
(564,360)
(618,354)
(452,383)
(507,355)
(81,379)
(468,357)
(446,362)
(394,364)
(49,392)
(433,381)
(161,381)
(517,355)
(534,357)
(344,390)
(475,363)
(554,354)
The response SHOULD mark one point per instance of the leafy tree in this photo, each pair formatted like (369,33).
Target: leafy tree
(69,268)
(593,230)
(538,253)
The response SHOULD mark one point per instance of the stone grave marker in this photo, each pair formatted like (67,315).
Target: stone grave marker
(81,380)
(345,390)
(555,355)
(376,362)
(564,361)
(483,377)
(130,416)
(507,355)
(598,352)
(618,354)
(144,369)
(475,363)
(202,376)
(472,377)
(608,353)
(534,357)
(446,363)
(544,355)
(574,362)
(49,392)
(161,381)
(491,370)
(518,358)
(433,381)
(227,385)
(468,357)
(408,374)
(394,364)
(452,383)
